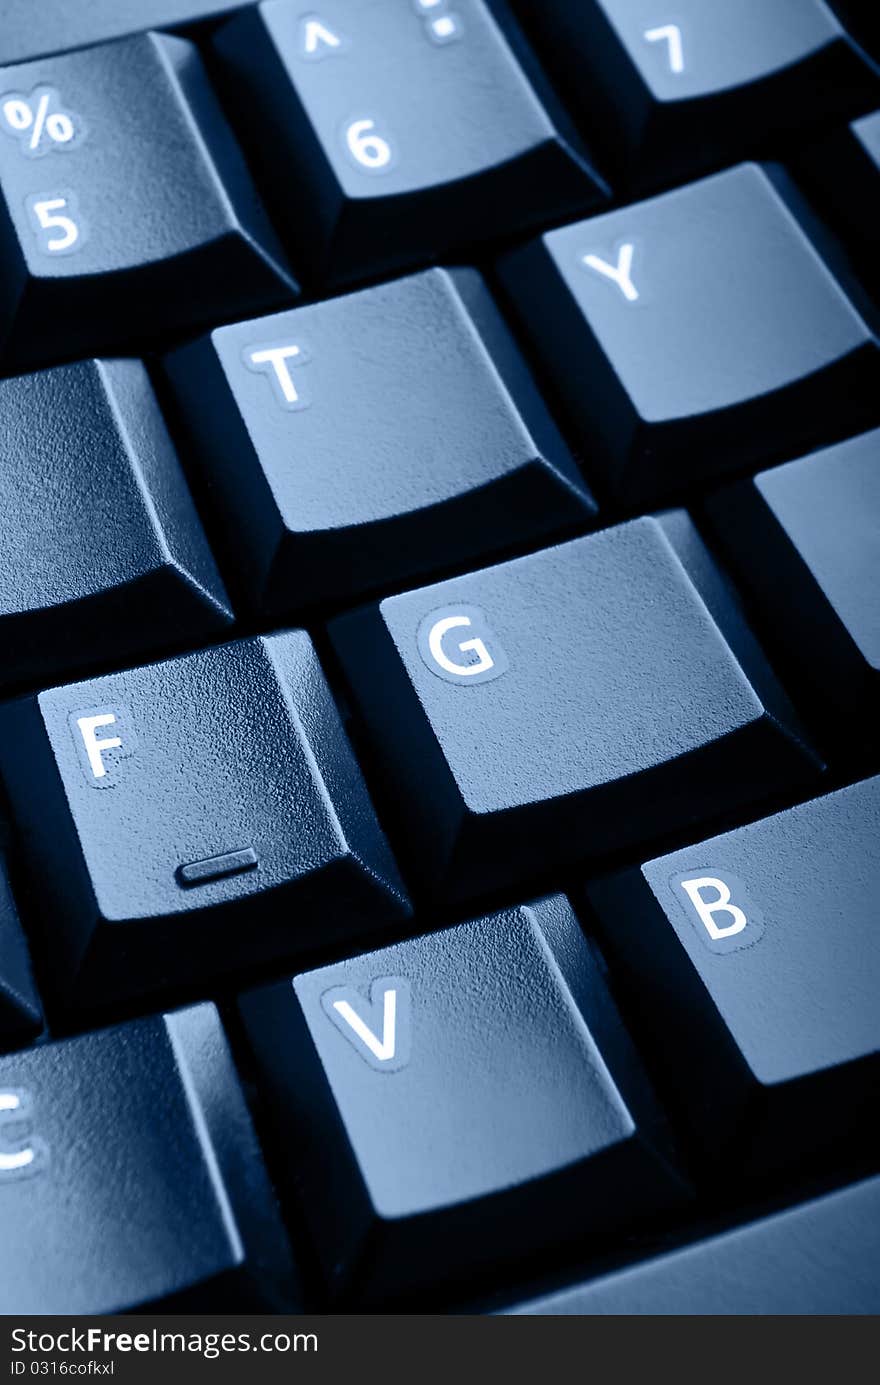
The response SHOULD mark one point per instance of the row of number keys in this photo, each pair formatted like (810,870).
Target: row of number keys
(126,190)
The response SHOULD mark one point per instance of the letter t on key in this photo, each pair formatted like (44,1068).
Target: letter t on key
(275,359)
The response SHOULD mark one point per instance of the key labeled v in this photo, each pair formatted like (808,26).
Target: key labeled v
(378,1029)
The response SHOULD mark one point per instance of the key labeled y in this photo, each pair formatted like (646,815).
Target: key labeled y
(619,272)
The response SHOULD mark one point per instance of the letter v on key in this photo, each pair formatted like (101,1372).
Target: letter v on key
(379,1031)
(619,273)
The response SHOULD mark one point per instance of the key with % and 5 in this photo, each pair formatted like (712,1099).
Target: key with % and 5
(39,122)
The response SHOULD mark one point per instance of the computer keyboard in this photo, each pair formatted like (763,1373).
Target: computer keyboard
(440,612)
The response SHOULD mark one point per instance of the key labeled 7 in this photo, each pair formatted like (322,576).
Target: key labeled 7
(59,226)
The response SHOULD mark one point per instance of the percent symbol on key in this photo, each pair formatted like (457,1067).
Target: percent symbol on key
(38,121)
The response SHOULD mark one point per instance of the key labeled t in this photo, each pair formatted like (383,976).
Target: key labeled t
(276,361)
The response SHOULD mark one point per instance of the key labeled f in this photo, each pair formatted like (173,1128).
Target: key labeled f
(103,736)
(379,1031)
(276,360)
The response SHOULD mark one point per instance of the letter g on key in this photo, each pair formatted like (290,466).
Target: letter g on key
(458,645)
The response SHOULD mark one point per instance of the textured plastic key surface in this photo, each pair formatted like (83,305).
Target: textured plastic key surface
(120,783)
(388,134)
(818,1258)
(130,1177)
(560,705)
(755,954)
(20,1012)
(697,333)
(102,555)
(805,541)
(373,438)
(384,1074)
(33,28)
(126,208)
(678,93)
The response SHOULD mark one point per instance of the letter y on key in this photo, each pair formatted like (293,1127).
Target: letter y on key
(619,274)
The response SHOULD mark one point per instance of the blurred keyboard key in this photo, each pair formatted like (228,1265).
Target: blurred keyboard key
(862,20)
(843,173)
(126,209)
(703,85)
(21,1016)
(557,706)
(33,28)
(697,333)
(459,1098)
(373,438)
(818,1258)
(389,134)
(805,542)
(104,556)
(180,819)
(130,1177)
(755,958)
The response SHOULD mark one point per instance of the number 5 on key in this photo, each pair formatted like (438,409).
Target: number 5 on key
(56,220)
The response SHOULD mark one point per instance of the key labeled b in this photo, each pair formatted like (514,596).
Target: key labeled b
(718,906)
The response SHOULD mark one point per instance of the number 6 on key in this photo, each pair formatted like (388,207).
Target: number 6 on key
(369,150)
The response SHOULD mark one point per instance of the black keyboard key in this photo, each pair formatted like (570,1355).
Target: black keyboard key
(129,212)
(389,134)
(818,1258)
(843,173)
(695,333)
(130,1177)
(21,1016)
(415,1157)
(805,541)
(340,457)
(862,20)
(755,956)
(679,93)
(103,551)
(186,817)
(33,28)
(563,704)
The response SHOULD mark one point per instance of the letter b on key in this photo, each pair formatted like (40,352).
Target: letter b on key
(719,908)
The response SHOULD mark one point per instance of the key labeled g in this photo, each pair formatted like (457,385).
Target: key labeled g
(458,645)
(22,1155)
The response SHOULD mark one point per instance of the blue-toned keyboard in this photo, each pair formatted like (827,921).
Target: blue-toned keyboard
(440,629)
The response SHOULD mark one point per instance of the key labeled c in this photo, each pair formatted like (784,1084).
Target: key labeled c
(475,659)
(20,1155)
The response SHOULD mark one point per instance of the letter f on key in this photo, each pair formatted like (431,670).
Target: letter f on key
(93,746)
(99,765)
(619,274)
